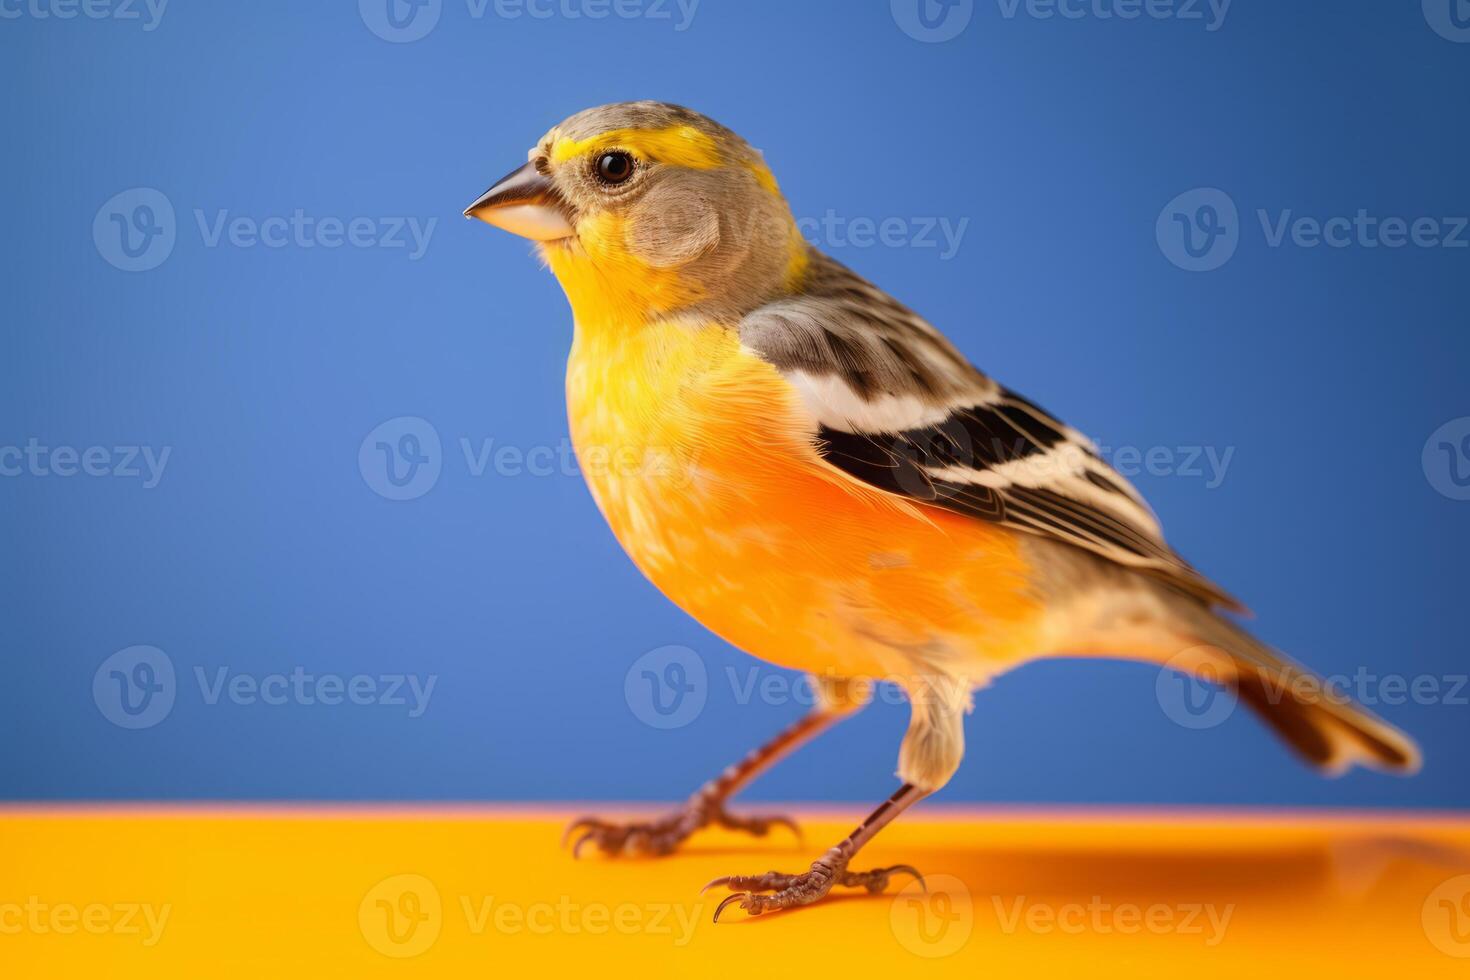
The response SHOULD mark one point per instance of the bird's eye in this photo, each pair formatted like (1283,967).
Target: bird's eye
(614,167)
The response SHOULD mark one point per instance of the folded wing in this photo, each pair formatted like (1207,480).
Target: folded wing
(895,406)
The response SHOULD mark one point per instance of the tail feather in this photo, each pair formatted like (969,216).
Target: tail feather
(1103,609)
(1326,727)
(1329,734)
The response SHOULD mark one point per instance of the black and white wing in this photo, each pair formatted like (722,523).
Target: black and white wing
(896,406)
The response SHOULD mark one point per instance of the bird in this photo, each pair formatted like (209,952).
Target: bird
(817,475)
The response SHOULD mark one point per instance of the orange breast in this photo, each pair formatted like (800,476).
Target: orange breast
(700,457)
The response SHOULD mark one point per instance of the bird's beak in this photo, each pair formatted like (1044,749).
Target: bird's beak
(524,202)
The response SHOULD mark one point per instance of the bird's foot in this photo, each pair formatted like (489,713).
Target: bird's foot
(655,838)
(792,891)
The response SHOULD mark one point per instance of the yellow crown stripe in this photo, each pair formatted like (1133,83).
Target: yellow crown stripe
(763,176)
(682,146)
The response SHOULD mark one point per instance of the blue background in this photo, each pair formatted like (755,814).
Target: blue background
(264,547)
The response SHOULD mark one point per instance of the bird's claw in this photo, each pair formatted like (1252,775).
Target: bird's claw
(792,891)
(737,897)
(757,826)
(656,837)
(664,835)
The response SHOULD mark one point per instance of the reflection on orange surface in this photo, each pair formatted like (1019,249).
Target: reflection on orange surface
(335,892)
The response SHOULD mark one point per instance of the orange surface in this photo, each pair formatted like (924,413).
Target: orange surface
(474,892)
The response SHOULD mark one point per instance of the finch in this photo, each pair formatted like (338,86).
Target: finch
(825,482)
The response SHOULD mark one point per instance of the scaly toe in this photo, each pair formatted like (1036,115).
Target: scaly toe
(792,890)
(759,826)
(770,881)
(582,823)
(876,881)
(622,840)
(774,890)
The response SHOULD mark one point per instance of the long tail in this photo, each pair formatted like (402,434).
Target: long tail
(1321,723)
(1101,609)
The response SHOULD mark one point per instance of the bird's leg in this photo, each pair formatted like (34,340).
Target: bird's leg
(836,699)
(930,754)
(790,890)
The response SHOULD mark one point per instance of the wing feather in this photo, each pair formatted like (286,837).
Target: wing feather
(896,407)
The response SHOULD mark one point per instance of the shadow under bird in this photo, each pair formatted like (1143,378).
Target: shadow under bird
(827,484)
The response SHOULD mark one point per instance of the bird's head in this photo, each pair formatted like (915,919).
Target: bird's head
(645,209)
